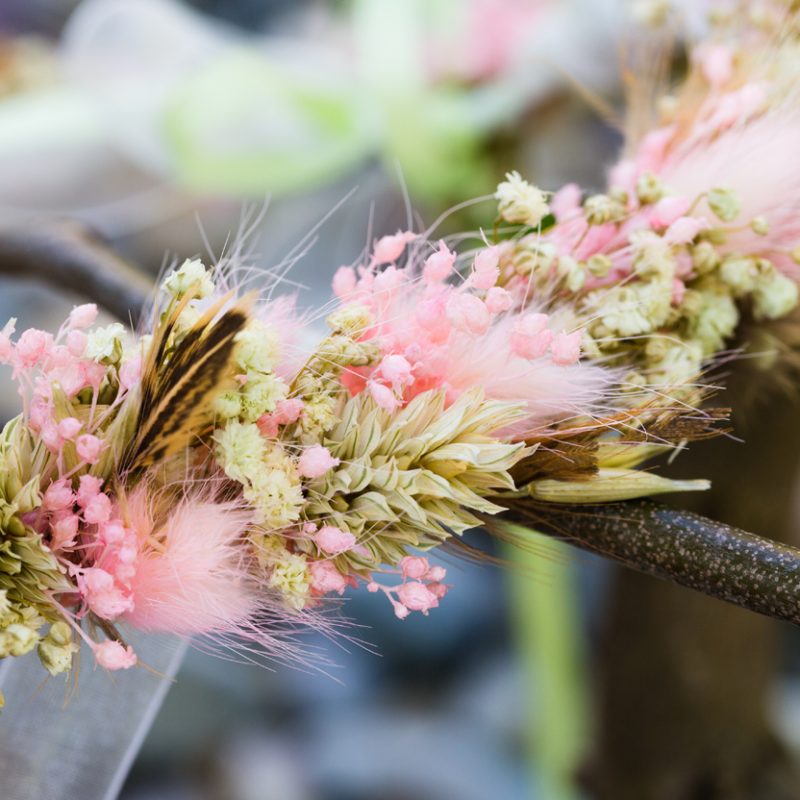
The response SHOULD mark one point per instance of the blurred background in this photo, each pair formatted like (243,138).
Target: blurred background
(172,128)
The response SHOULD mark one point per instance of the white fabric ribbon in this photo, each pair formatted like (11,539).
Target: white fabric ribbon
(77,740)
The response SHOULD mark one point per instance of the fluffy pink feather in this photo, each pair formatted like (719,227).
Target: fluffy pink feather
(190,576)
(457,349)
(551,392)
(758,160)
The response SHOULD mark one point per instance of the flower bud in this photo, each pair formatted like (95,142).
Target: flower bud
(724,203)
(599,209)
(519,201)
(705,258)
(190,276)
(599,265)
(649,188)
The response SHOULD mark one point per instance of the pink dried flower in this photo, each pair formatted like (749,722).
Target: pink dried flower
(716,62)
(83,316)
(69,427)
(76,343)
(486,270)
(98,509)
(64,529)
(566,201)
(468,314)
(39,412)
(333,541)
(89,448)
(383,396)
(289,410)
(438,590)
(430,315)
(286,412)
(326,578)
(344,281)
(565,348)
(684,230)
(59,358)
(32,347)
(112,532)
(50,435)
(6,346)
(113,655)
(416,596)
(387,280)
(316,461)
(88,488)
(389,248)
(414,567)
(667,210)
(439,265)
(498,300)
(396,370)
(530,337)
(59,495)
(678,291)
(102,593)
(130,372)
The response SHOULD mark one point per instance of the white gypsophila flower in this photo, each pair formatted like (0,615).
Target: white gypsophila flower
(277,495)
(519,201)
(289,576)
(652,255)
(716,318)
(705,258)
(188,318)
(637,309)
(240,450)
(105,342)
(774,295)
(228,405)
(260,395)
(257,347)
(276,489)
(351,319)
(739,274)
(318,416)
(678,363)
(191,274)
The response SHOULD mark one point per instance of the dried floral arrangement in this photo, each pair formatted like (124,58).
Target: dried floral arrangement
(210,476)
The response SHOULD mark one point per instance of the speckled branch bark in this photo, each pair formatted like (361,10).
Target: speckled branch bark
(67,256)
(683,547)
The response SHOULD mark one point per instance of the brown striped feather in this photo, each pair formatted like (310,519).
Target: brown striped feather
(178,387)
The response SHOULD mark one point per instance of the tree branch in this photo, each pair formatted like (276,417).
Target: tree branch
(685,548)
(68,256)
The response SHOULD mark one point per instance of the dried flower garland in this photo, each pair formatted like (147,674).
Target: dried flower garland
(210,477)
